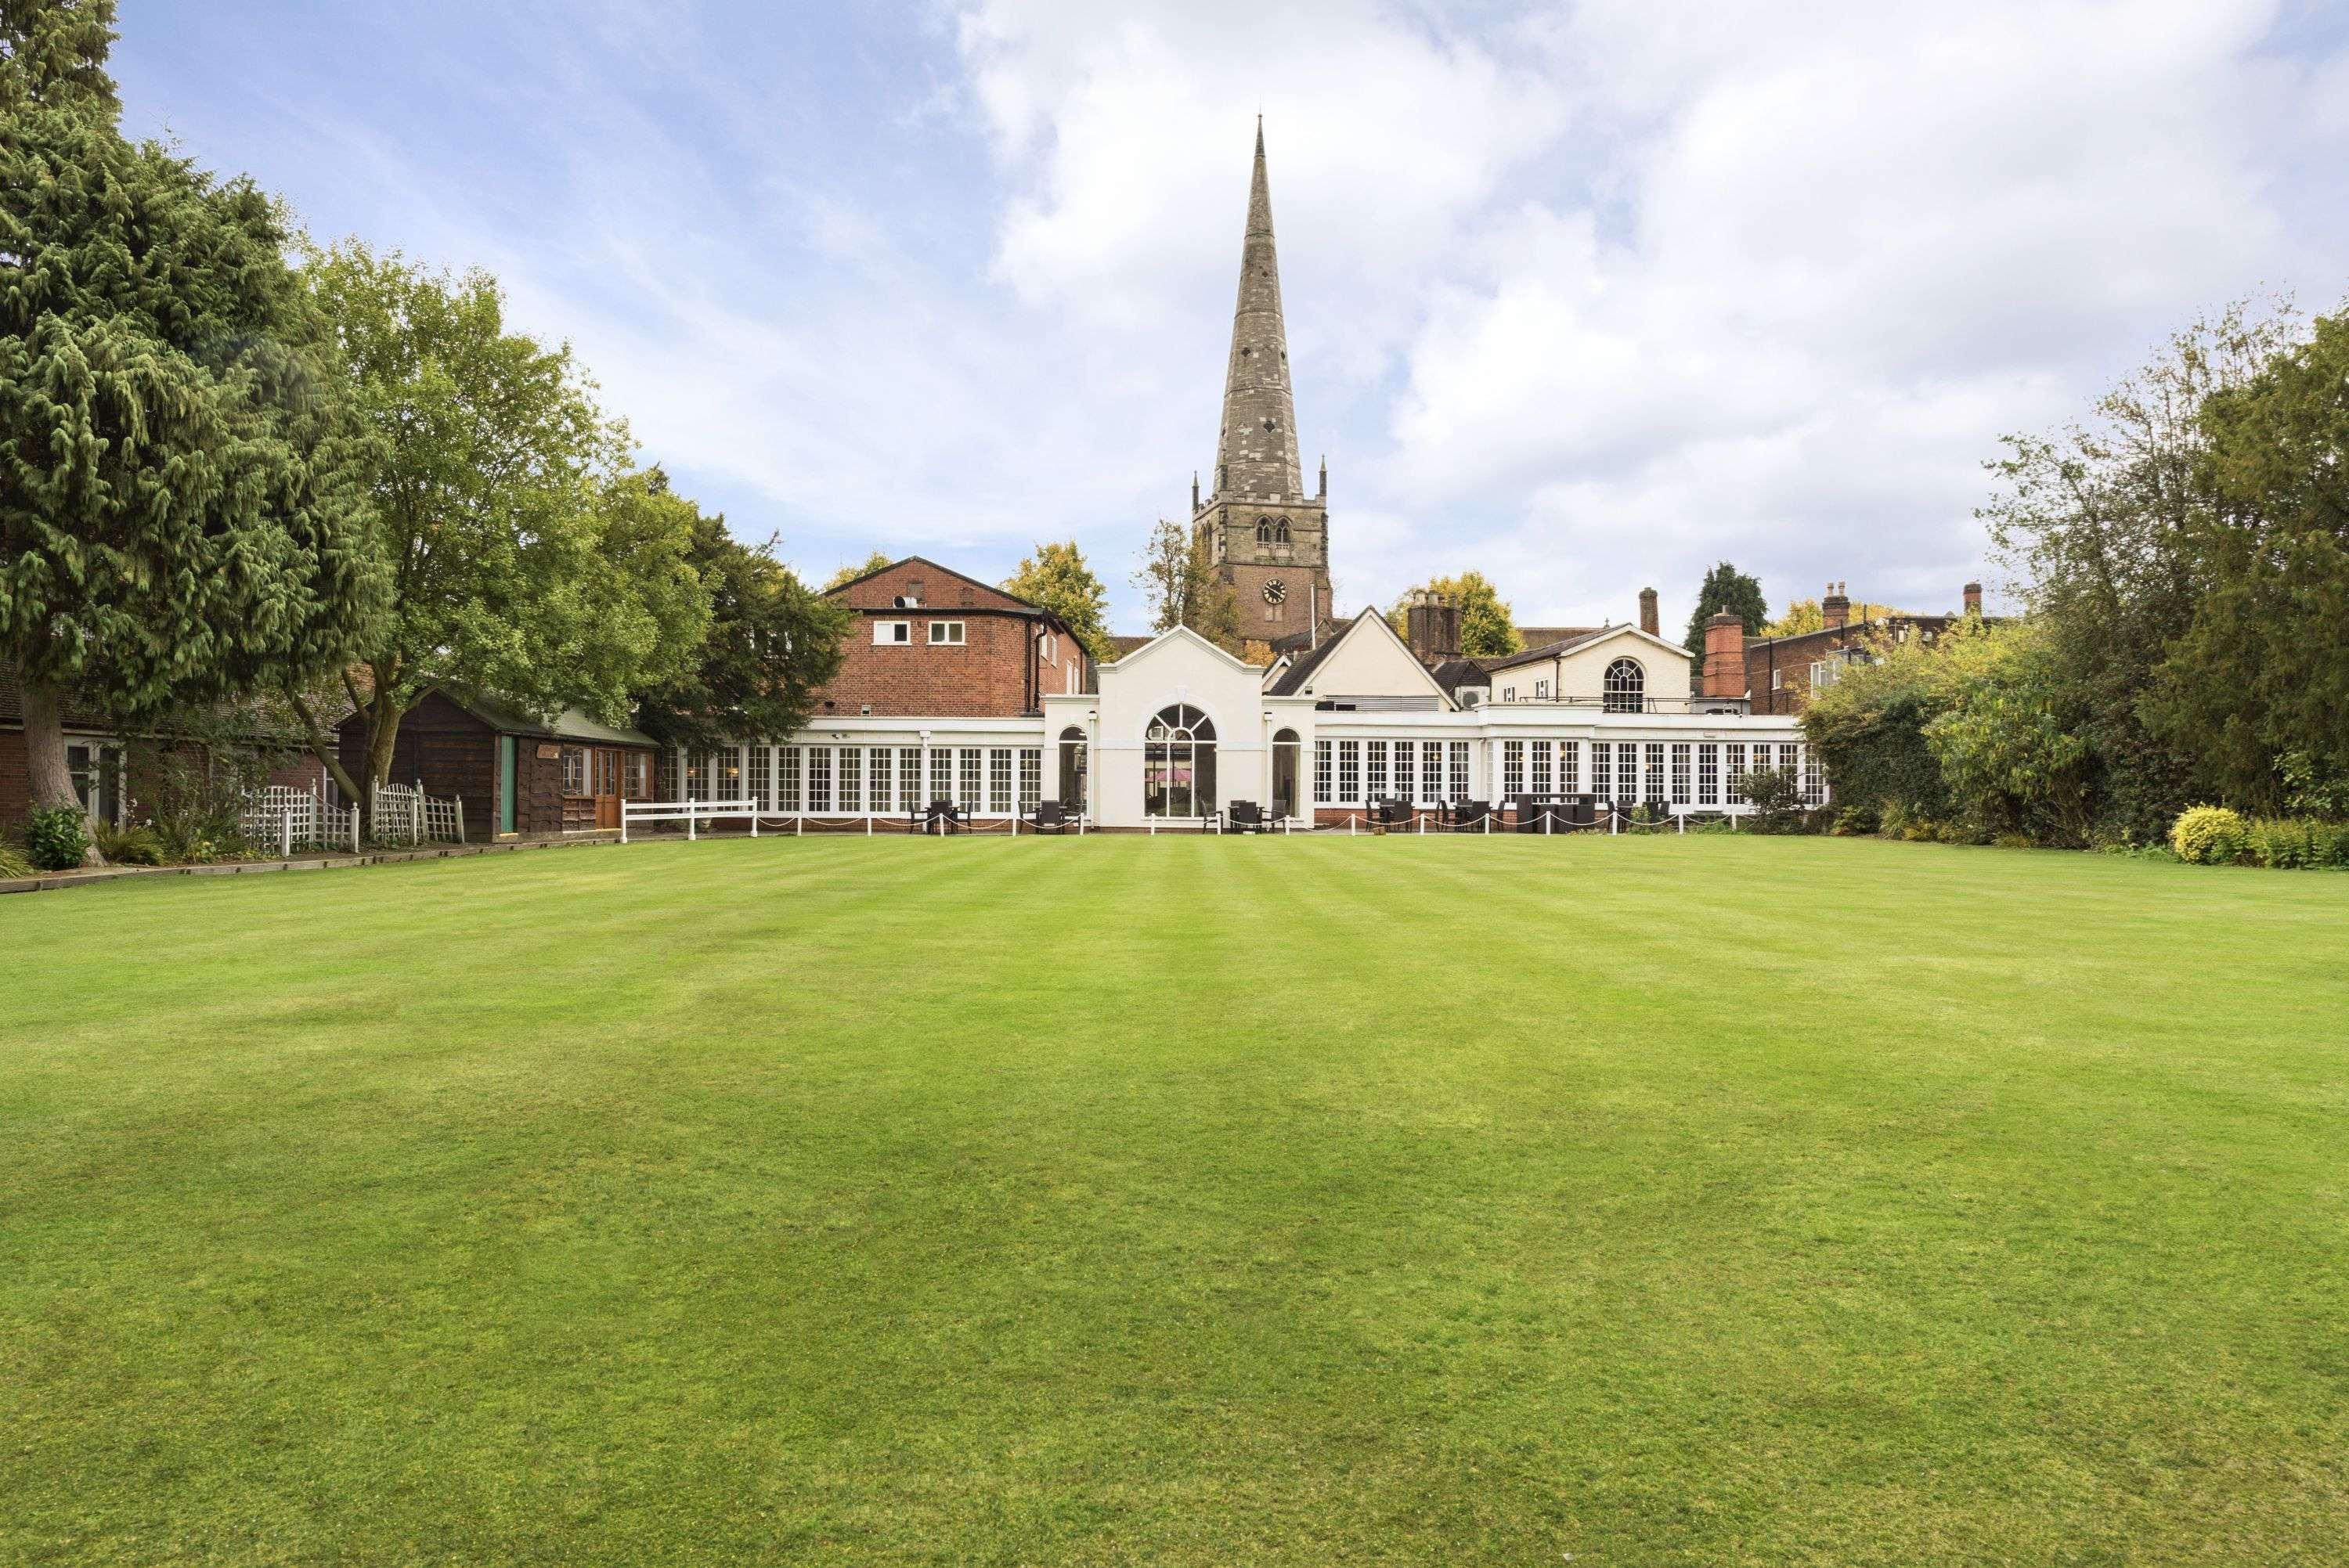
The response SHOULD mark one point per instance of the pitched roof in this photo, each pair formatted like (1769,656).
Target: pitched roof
(1293,680)
(1552,649)
(1538,636)
(1028,605)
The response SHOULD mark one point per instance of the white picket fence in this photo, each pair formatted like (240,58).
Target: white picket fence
(285,820)
(405,814)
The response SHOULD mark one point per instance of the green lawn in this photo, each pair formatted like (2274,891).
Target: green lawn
(1661,1200)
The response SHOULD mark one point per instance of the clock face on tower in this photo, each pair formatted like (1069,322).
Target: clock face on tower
(1275,592)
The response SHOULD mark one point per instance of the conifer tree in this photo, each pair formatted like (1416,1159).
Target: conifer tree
(180,512)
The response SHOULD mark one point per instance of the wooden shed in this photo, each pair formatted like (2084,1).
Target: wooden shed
(518,777)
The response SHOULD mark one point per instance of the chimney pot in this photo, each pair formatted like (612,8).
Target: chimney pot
(1973,599)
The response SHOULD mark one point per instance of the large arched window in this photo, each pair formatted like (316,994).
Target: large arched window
(1178,764)
(1626,687)
(1284,772)
(1072,769)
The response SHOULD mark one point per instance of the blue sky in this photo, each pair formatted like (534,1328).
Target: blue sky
(1585,296)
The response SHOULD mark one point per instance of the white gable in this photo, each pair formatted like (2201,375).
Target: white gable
(1371,661)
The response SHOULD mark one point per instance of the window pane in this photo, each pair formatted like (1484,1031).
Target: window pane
(787,778)
(1324,788)
(909,778)
(1459,770)
(819,777)
(1349,772)
(998,780)
(851,779)
(1031,778)
(1376,784)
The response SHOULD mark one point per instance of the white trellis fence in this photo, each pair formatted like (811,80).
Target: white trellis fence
(405,814)
(285,820)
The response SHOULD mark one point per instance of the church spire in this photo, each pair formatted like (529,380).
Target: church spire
(1256,456)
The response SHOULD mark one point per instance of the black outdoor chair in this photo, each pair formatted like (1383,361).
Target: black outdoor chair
(1248,817)
(940,816)
(1049,816)
(1467,816)
(1390,813)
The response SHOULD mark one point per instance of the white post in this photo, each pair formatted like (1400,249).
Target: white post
(355,829)
(415,813)
(754,821)
(1613,828)
(688,820)
(1349,824)
(286,834)
(799,826)
(1547,817)
(624,821)
(1683,820)
(461,818)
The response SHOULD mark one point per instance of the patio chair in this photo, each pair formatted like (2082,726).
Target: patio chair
(940,817)
(1049,817)
(1391,813)
(1248,817)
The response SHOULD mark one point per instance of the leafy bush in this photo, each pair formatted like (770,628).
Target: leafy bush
(1856,821)
(1777,797)
(185,842)
(13,865)
(56,836)
(129,846)
(2208,835)
(2296,843)
(200,805)
(2012,841)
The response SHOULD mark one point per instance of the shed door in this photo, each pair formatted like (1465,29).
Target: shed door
(607,787)
(509,758)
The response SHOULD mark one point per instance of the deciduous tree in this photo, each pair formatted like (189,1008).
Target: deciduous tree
(854,570)
(1487,627)
(1058,577)
(1182,588)
(525,565)
(771,640)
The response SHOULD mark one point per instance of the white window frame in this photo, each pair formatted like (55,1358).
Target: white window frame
(892,633)
(959,638)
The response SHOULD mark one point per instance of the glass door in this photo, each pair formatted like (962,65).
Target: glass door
(96,769)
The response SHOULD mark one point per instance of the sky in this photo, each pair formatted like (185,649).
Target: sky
(1584,296)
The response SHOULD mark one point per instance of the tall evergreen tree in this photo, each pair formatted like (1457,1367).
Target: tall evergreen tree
(1725,588)
(1058,577)
(180,515)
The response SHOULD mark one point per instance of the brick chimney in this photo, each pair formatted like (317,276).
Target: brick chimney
(1973,601)
(1647,622)
(1725,656)
(1834,607)
(1431,625)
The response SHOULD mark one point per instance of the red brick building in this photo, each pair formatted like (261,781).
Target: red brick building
(115,766)
(1780,671)
(930,640)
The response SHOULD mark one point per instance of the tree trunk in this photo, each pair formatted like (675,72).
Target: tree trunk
(49,778)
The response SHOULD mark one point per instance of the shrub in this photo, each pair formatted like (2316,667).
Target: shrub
(2296,843)
(187,842)
(129,846)
(2208,835)
(56,836)
(1777,797)
(1855,821)
(1893,821)
(13,865)
(2013,842)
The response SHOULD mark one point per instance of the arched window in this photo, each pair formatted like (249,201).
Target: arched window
(1072,769)
(1178,764)
(1264,531)
(1626,687)
(1280,531)
(1284,772)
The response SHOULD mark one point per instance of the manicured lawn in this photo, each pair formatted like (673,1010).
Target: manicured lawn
(1655,1201)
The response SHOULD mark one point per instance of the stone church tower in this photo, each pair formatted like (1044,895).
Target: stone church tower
(1267,539)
